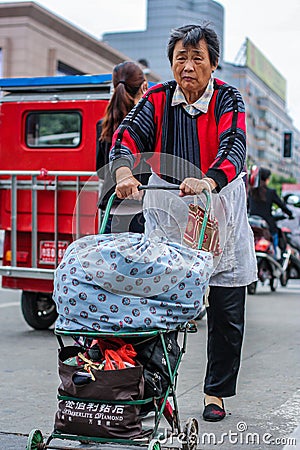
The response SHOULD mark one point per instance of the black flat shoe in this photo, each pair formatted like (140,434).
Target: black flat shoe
(213,412)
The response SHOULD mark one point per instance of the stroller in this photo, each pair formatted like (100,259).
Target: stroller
(140,358)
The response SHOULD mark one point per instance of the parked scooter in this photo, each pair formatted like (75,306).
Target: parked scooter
(293,269)
(271,268)
(294,264)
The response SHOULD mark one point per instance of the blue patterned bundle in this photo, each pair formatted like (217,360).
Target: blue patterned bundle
(129,282)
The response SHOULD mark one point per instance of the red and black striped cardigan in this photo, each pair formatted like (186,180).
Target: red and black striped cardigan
(176,144)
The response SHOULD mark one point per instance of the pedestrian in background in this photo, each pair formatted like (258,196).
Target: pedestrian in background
(261,200)
(200,121)
(129,84)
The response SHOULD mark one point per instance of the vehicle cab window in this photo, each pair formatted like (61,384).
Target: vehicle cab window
(53,129)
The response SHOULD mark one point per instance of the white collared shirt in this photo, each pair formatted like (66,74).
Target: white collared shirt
(200,105)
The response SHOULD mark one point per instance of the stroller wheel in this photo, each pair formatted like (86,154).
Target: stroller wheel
(35,441)
(154,444)
(191,434)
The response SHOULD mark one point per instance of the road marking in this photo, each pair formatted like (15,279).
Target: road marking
(5,305)
(289,410)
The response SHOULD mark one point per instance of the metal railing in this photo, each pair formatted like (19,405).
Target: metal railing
(35,181)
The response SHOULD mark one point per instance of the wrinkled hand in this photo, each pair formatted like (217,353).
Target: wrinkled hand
(127,185)
(194,186)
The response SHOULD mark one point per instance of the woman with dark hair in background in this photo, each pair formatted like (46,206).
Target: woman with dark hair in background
(129,84)
(261,200)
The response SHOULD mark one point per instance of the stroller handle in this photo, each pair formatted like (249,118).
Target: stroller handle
(166,188)
(144,187)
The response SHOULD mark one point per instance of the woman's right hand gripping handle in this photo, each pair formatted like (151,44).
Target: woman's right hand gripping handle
(127,184)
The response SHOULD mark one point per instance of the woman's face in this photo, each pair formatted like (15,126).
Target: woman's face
(192,69)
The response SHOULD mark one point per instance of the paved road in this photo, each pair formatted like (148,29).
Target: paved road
(263,415)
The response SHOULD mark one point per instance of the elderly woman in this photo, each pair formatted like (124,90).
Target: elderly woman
(191,131)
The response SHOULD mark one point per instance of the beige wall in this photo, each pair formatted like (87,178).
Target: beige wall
(5,45)
(31,49)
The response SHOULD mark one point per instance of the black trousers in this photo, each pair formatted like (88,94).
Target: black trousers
(225,322)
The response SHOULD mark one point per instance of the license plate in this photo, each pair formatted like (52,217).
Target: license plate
(47,251)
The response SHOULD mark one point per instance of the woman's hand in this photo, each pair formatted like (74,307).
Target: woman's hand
(127,184)
(194,186)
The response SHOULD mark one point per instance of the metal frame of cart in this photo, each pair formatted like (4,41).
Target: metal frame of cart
(188,434)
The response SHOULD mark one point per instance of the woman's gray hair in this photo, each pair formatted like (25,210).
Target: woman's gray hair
(191,35)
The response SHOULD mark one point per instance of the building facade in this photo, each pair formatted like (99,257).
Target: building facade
(36,42)
(268,122)
(162,16)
